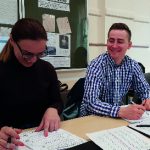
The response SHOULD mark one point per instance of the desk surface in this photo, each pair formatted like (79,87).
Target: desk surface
(83,125)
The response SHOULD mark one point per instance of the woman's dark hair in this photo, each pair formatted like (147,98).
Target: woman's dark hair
(26,28)
(120,26)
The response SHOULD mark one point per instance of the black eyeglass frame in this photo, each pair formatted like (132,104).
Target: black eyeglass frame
(28,55)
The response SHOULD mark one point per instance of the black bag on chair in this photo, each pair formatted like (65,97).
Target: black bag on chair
(62,86)
(74,98)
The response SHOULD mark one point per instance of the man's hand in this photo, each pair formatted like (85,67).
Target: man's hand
(131,112)
(146,104)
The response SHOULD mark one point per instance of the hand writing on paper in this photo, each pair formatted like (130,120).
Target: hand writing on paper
(50,121)
(131,112)
(11,134)
(146,104)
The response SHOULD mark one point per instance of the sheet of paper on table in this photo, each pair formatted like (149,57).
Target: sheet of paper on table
(56,140)
(121,138)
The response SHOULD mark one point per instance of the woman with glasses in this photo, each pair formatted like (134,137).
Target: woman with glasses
(29,91)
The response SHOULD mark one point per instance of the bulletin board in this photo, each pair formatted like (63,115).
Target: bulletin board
(66,27)
(66,24)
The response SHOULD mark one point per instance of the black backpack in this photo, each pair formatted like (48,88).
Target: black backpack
(74,98)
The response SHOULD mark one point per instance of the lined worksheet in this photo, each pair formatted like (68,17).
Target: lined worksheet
(145,130)
(121,138)
(56,140)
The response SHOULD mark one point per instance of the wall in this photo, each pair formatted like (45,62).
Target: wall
(70,76)
(101,14)
(135,13)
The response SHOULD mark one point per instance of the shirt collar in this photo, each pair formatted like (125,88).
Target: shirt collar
(112,62)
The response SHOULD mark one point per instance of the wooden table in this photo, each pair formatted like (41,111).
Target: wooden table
(81,126)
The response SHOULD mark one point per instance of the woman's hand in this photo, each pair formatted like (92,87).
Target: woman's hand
(50,121)
(12,134)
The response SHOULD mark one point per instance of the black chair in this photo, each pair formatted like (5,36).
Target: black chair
(147,76)
(74,98)
(131,95)
(135,97)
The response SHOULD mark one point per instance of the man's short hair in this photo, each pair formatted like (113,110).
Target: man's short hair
(120,26)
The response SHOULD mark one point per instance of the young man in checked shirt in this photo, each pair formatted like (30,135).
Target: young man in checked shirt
(111,75)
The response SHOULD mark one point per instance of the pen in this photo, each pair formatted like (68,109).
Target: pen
(9,139)
(28,147)
(144,103)
(143,125)
(132,102)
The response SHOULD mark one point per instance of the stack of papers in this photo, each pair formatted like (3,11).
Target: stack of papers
(144,130)
(56,140)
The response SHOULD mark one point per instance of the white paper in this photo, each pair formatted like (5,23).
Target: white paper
(55,4)
(58,44)
(5,31)
(49,22)
(8,11)
(56,140)
(4,36)
(63,25)
(145,130)
(121,138)
(3,41)
(58,61)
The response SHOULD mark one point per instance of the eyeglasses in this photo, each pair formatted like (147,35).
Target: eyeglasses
(28,55)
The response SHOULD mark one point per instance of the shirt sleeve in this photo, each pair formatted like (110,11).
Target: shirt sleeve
(54,92)
(91,102)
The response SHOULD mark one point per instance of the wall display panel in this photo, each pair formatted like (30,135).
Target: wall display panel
(66,24)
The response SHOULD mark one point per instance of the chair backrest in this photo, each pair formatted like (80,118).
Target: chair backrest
(74,99)
(135,98)
(131,95)
(147,76)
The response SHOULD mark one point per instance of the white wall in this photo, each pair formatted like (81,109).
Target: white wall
(101,15)
(135,13)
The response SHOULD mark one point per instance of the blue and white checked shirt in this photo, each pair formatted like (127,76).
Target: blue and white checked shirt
(106,85)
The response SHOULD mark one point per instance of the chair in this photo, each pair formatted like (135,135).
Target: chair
(131,95)
(147,76)
(135,98)
(74,99)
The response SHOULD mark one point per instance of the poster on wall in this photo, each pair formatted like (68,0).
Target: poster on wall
(48,22)
(58,44)
(8,11)
(63,25)
(58,49)
(58,62)
(4,36)
(3,41)
(62,5)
